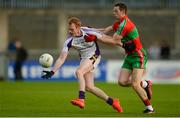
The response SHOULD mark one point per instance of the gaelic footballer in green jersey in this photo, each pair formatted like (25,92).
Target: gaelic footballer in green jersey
(136,58)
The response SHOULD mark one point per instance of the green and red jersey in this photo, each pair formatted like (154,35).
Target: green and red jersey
(126,28)
(137,57)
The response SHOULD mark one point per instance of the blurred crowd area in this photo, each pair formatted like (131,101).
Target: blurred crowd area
(41,25)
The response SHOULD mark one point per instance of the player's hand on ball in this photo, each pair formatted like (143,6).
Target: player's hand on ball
(47,74)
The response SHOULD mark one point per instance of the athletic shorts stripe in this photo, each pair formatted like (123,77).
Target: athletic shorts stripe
(141,55)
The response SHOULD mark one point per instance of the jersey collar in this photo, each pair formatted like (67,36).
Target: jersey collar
(122,18)
(82,33)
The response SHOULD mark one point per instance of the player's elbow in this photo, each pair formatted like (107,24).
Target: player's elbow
(122,83)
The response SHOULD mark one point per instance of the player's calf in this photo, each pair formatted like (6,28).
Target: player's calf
(148,89)
(147,85)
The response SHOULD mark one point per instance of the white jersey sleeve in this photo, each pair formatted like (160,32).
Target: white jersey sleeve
(92,31)
(67,45)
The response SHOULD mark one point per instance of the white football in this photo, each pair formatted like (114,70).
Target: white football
(46,60)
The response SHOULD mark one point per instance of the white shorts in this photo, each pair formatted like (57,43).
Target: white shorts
(96,61)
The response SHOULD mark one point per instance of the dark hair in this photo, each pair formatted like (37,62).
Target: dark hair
(121,6)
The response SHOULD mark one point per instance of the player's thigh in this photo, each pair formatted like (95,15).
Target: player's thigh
(124,75)
(126,70)
(89,76)
(89,79)
(137,75)
(86,66)
(96,62)
(139,60)
(127,63)
(144,74)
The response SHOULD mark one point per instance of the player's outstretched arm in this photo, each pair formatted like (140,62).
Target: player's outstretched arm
(117,37)
(105,30)
(109,40)
(62,57)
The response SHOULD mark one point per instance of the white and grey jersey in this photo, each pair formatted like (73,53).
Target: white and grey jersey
(85,49)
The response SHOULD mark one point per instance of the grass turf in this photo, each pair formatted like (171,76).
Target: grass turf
(51,99)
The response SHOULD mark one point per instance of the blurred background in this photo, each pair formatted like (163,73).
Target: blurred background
(29,28)
(41,27)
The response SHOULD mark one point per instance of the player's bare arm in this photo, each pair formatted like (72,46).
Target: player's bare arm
(62,57)
(106,30)
(109,40)
(117,37)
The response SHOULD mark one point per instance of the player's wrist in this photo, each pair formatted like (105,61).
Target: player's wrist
(52,72)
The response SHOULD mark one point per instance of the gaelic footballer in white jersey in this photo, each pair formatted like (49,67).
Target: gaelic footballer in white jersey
(83,39)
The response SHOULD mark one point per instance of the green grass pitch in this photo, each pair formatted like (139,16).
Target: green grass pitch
(51,99)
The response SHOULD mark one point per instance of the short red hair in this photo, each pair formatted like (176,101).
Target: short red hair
(74,20)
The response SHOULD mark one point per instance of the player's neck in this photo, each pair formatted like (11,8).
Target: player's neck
(123,17)
(79,33)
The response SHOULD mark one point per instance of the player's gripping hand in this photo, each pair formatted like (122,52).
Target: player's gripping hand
(129,46)
(90,37)
(47,74)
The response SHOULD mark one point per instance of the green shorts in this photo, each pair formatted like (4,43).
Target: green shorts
(136,60)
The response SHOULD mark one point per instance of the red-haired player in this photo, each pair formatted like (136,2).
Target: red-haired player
(84,40)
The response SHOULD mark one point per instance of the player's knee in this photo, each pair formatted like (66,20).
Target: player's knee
(89,88)
(135,84)
(122,82)
(79,72)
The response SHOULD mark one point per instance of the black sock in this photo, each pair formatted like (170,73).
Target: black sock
(81,95)
(109,101)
